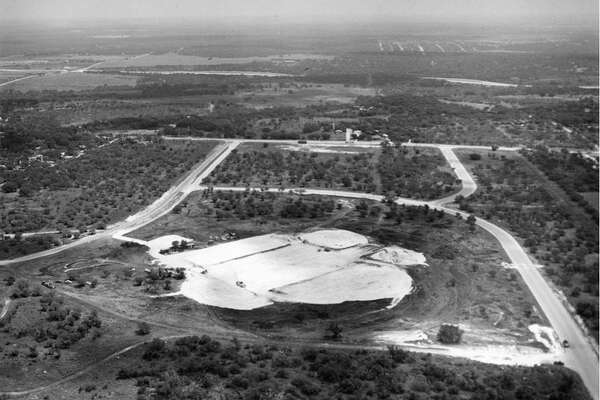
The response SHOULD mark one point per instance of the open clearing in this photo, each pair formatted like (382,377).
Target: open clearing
(301,96)
(321,267)
(71,81)
(151,60)
(474,82)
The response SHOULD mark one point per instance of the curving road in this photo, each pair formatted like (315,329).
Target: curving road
(581,356)
(160,207)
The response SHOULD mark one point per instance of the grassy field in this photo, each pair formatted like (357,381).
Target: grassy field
(75,81)
(301,95)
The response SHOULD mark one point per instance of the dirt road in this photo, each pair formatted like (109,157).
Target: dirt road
(5,308)
(581,356)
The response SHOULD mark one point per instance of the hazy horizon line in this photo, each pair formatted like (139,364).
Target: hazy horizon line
(584,23)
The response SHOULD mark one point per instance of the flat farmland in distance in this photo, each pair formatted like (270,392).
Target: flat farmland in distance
(176,59)
(298,96)
(6,76)
(76,81)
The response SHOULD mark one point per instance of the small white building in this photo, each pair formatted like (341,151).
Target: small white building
(348,135)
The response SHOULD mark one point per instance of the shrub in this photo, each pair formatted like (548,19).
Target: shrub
(21,289)
(142,329)
(305,386)
(154,350)
(399,355)
(239,382)
(449,334)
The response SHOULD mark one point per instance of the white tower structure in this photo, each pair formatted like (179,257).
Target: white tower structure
(348,135)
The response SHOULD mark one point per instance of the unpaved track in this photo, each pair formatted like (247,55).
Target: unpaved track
(340,143)
(17,80)
(5,308)
(89,368)
(581,356)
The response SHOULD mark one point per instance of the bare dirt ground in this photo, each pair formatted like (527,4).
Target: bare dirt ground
(319,267)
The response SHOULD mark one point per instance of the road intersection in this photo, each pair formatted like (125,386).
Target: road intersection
(581,356)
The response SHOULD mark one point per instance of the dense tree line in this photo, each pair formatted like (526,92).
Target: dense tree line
(200,367)
(414,173)
(424,118)
(564,239)
(574,114)
(573,172)
(19,246)
(21,135)
(251,204)
(277,168)
(111,182)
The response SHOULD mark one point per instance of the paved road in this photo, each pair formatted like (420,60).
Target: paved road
(17,80)
(338,143)
(581,357)
(156,210)
(468,186)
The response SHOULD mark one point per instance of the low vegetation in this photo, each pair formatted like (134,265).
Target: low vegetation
(407,172)
(463,260)
(273,167)
(556,230)
(57,328)
(200,367)
(415,173)
(573,172)
(19,246)
(101,186)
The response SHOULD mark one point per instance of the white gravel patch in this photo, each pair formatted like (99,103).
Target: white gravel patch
(318,149)
(358,282)
(334,238)
(398,337)
(215,292)
(165,242)
(321,267)
(297,262)
(546,336)
(399,256)
(231,250)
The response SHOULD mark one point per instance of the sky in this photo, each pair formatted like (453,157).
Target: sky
(467,11)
